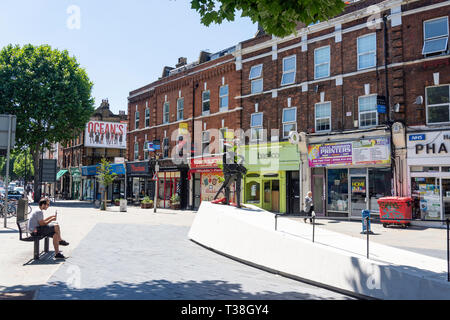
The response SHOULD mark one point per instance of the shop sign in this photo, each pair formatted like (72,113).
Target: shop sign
(381,104)
(117,168)
(359,186)
(169,174)
(210,185)
(137,168)
(100,134)
(183,128)
(435,143)
(359,152)
(276,156)
(210,162)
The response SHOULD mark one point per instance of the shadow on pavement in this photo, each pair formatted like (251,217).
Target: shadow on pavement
(166,290)
(45,258)
(9,230)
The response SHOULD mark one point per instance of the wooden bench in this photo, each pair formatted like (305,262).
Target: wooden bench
(25,235)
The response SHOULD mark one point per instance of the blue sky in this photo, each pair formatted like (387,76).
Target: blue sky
(123,45)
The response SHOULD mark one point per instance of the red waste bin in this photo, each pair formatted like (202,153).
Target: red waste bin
(394,209)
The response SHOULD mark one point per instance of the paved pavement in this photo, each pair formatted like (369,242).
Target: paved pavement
(136,255)
(423,240)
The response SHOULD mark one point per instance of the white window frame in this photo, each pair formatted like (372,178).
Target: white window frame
(256,79)
(206,112)
(222,132)
(286,72)
(321,64)
(361,113)
(146,152)
(166,114)
(374,52)
(286,123)
(136,120)
(435,105)
(254,128)
(259,74)
(207,153)
(321,118)
(147,117)
(180,110)
(434,38)
(136,151)
(221,107)
(166,147)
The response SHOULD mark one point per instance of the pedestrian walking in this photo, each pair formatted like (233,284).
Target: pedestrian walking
(309,206)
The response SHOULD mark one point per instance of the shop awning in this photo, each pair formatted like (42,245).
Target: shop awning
(60,174)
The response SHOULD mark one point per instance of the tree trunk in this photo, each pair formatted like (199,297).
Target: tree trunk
(37,185)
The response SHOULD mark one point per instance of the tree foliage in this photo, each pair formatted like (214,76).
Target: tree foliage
(277,17)
(49,93)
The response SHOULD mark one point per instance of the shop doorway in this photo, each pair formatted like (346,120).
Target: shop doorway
(318,191)
(197,191)
(271,196)
(293,194)
(358,195)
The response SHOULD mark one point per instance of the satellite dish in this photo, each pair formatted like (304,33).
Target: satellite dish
(294,137)
(419,100)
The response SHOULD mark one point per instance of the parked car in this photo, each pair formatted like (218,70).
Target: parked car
(20,189)
(14,194)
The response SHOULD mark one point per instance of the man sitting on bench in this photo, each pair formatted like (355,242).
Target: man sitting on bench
(39,226)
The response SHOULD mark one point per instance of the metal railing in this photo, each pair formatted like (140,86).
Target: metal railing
(368,231)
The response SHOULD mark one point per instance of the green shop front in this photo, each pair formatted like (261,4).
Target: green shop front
(272,179)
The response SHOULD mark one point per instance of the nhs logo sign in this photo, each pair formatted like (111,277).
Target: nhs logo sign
(416,137)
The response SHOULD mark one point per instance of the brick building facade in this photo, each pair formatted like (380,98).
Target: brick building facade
(75,155)
(361,80)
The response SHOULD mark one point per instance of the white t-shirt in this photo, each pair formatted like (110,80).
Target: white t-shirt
(33,221)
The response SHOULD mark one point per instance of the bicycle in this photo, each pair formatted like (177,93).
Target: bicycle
(11,210)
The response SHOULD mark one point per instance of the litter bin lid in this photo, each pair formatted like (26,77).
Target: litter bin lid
(394,199)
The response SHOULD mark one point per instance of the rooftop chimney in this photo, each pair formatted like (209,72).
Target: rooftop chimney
(182,61)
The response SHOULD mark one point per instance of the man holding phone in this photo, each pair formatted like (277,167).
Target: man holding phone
(37,225)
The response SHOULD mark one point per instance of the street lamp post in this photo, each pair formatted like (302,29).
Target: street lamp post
(156,186)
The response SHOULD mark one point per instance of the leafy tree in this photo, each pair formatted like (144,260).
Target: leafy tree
(48,92)
(105,177)
(277,17)
(23,158)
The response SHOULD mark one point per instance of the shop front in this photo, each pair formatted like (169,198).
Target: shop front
(172,180)
(429,173)
(139,181)
(350,176)
(92,189)
(207,176)
(272,179)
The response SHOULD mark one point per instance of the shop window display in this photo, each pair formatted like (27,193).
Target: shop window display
(426,195)
(253,192)
(338,190)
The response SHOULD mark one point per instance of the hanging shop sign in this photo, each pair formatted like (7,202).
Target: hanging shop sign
(424,145)
(372,151)
(100,134)
(183,128)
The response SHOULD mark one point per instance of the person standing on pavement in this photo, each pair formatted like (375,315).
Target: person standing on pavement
(309,206)
(37,225)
